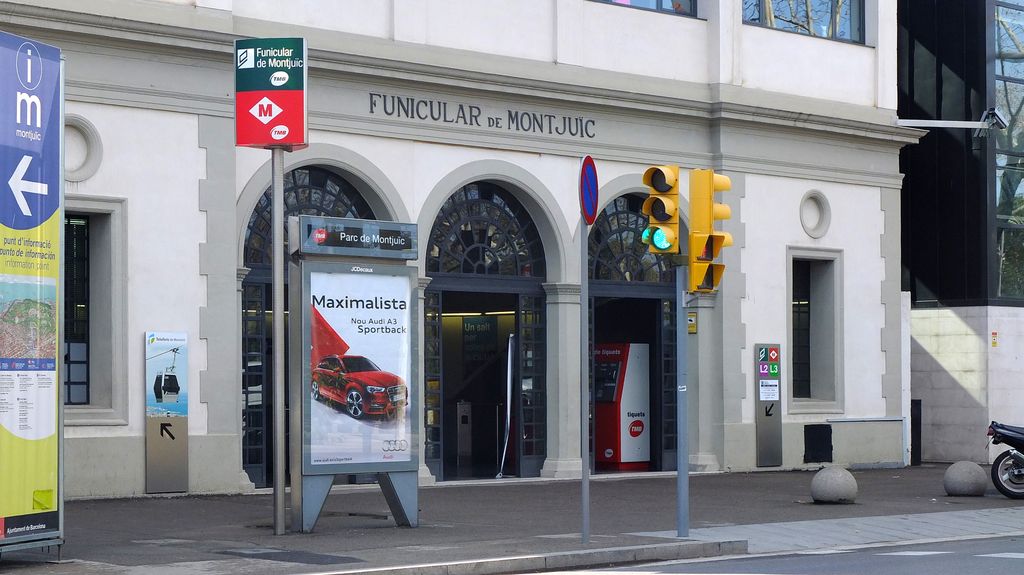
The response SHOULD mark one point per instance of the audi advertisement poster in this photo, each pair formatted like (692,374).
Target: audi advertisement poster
(359,389)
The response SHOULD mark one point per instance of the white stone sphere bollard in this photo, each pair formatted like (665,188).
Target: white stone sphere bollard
(965,479)
(833,485)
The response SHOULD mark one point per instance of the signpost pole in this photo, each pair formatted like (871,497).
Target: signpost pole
(584,381)
(277,201)
(588,214)
(682,436)
(270,112)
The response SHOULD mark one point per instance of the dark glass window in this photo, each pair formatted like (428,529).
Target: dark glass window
(76,310)
(1009,191)
(835,19)
(1010,249)
(687,7)
(801,329)
(1008,200)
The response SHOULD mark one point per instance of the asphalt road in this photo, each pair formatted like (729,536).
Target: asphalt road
(1000,556)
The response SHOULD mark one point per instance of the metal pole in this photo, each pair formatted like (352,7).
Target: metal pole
(584,381)
(277,261)
(682,436)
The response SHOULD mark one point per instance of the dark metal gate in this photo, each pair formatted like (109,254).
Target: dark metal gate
(255,374)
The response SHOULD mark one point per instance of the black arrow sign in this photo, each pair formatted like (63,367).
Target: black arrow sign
(166,428)
(767,411)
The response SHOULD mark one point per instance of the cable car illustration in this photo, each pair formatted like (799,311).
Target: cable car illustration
(165,385)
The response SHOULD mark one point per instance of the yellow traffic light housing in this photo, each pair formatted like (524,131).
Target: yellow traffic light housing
(662,209)
(705,242)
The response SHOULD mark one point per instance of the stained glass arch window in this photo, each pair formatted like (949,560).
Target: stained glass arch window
(482,229)
(614,247)
(309,191)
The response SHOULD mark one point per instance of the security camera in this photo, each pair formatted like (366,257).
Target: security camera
(995,119)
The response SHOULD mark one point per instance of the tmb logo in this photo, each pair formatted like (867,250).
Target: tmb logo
(636,428)
(279,132)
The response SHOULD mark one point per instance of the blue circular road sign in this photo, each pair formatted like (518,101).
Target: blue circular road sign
(588,190)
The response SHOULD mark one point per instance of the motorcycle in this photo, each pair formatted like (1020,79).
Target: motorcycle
(1008,467)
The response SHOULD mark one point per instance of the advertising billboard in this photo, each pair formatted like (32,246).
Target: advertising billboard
(31,222)
(357,378)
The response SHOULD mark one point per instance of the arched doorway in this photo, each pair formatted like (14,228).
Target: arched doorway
(632,301)
(308,190)
(486,263)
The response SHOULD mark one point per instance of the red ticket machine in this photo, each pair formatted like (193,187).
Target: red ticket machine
(622,406)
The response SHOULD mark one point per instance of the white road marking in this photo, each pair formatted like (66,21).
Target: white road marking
(914,553)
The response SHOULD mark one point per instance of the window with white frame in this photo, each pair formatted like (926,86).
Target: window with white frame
(834,19)
(95,316)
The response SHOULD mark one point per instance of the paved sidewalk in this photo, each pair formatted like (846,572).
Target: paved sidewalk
(510,525)
(852,532)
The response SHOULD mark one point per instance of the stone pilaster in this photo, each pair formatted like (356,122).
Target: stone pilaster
(563,381)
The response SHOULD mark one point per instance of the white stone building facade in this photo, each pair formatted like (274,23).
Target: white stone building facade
(804,126)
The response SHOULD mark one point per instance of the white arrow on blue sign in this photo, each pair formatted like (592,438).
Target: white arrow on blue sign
(30,131)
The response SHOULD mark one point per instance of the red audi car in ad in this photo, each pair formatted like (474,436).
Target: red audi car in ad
(357,385)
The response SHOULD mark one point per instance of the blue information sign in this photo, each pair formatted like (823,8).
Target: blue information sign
(30,132)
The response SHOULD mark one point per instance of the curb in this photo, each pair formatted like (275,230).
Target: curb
(564,560)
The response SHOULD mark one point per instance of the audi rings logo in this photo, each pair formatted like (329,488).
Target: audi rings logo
(395,445)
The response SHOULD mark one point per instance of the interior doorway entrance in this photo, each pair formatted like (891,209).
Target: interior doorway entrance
(485,375)
(478,375)
(627,381)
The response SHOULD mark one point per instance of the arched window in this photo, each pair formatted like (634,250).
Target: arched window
(482,229)
(307,191)
(614,246)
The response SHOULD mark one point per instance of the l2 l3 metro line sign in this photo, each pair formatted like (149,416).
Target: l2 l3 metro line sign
(270,93)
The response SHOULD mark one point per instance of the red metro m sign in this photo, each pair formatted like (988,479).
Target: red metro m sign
(270,93)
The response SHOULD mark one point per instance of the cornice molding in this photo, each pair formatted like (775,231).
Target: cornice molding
(110,27)
(209,34)
(737,114)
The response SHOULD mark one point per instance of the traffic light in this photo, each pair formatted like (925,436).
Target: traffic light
(662,210)
(705,242)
